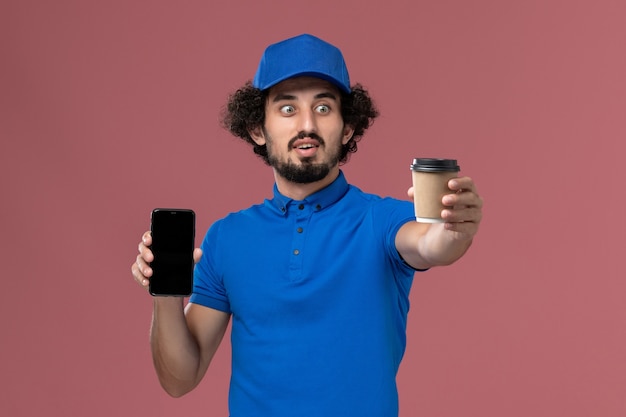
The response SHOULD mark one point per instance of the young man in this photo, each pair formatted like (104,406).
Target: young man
(317,279)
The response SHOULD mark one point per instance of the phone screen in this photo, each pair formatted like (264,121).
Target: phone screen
(173,239)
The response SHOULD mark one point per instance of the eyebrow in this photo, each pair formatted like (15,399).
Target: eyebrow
(326,94)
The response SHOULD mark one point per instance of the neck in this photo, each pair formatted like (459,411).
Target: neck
(298,191)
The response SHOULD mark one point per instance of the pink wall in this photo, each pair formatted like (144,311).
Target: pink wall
(530,96)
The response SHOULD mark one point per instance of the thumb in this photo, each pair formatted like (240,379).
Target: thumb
(197,254)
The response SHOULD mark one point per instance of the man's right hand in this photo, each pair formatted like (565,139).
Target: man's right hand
(183,339)
(141,267)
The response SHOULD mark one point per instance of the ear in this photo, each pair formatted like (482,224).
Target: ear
(348,131)
(257,135)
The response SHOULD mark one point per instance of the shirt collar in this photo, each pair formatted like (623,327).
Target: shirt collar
(318,200)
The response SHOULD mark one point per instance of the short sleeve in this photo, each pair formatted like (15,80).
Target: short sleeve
(208,283)
(390,215)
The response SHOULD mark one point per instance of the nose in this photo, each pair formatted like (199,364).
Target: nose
(307,121)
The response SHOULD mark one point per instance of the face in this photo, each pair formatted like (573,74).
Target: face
(304,131)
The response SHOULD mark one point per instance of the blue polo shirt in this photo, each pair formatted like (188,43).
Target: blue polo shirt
(319,301)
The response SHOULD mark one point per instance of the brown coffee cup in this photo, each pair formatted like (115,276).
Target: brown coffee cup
(430,184)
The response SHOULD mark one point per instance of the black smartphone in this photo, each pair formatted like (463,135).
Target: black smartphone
(173,239)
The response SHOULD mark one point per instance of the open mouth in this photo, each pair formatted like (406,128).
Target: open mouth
(306,146)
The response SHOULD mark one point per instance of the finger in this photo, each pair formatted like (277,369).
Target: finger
(462,198)
(143,267)
(147,238)
(145,252)
(140,278)
(466,228)
(460,215)
(410,192)
(462,184)
(197,254)
(140,268)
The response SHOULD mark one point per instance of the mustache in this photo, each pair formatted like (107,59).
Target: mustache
(303,135)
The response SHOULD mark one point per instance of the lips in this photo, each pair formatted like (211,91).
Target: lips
(306,148)
(306,144)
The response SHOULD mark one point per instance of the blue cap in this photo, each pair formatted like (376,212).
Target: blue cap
(303,55)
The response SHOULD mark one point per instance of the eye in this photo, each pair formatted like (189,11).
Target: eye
(322,108)
(287,109)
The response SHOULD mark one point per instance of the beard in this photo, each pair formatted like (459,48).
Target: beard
(307,171)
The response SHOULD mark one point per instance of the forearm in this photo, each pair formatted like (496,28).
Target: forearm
(175,352)
(428,245)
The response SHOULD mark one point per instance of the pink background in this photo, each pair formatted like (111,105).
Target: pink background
(109,109)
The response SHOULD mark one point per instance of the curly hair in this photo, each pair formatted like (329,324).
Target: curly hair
(245,111)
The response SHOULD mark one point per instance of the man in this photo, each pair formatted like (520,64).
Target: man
(317,279)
